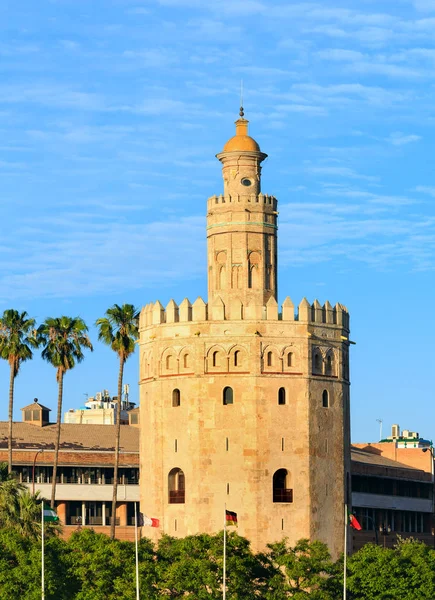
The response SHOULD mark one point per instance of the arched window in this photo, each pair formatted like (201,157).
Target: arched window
(329,365)
(281,493)
(216,358)
(269,359)
(168,362)
(176,397)
(289,359)
(325,399)
(176,486)
(186,361)
(281,396)
(228,395)
(317,363)
(237,358)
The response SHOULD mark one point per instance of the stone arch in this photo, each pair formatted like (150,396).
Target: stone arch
(221,270)
(169,361)
(271,359)
(254,260)
(185,359)
(289,357)
(317,361)
(217,359)
(330,363)
(176,486)
(282,486)
(238,358)
(237,277)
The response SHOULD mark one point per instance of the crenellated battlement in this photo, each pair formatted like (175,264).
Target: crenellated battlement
(245,199)
(155,313)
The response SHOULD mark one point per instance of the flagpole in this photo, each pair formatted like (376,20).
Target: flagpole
(42,553)
(136,551)
(345,552)
(224,579)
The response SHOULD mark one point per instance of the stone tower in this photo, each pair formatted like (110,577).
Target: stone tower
(242,403)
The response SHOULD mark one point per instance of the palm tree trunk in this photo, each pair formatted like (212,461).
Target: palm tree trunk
(117,438)
(57,443)
(11,410)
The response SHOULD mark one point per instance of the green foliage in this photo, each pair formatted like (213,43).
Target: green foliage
(105,568)
(20,511)
(119,329)
(63,339)
(299,572)
(91,566)
(17,338)
(406,572)
(20,568)
(192,567)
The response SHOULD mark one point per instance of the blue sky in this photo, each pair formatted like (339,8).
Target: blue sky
(110,116)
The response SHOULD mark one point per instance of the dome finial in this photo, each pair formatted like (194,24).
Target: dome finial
(241,112)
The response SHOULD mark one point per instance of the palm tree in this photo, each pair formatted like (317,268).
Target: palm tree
(20,510)
(119,330)
(17,337)
(10,490)
(64,339)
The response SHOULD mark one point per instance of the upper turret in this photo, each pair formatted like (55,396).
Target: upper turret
(241,141)
(241,227)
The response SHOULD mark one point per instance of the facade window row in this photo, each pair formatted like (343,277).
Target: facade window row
(228,397)
(272,359)
(76,475)
(281,492)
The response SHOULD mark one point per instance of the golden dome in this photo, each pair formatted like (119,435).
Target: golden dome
(241,141)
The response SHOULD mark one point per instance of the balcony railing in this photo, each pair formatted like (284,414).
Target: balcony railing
(176,497)
(78,522)
(282,495)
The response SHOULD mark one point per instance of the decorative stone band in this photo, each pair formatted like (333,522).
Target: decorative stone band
(229,224)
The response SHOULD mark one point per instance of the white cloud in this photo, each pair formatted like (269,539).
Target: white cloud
(344,172)
(400,139)
(425,5)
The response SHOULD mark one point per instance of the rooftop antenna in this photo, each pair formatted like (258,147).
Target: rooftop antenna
(380,421)
(242,112)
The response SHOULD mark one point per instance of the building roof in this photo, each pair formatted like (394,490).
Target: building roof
(241,141)
(368,462)
(72,437)
(34,405)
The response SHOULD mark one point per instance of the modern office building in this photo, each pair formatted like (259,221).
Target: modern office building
(393,489)
(85,471)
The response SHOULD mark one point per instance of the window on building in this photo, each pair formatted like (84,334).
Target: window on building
(27,415)
(329,367)
(325,399)
(228,395)
(169,362)
(281,396)
(134,418)
(317,362)
(269,359)
(186,361)
(216,358)
(289,359)
(281,491)
(176,486)
(237,358)
(176,397)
